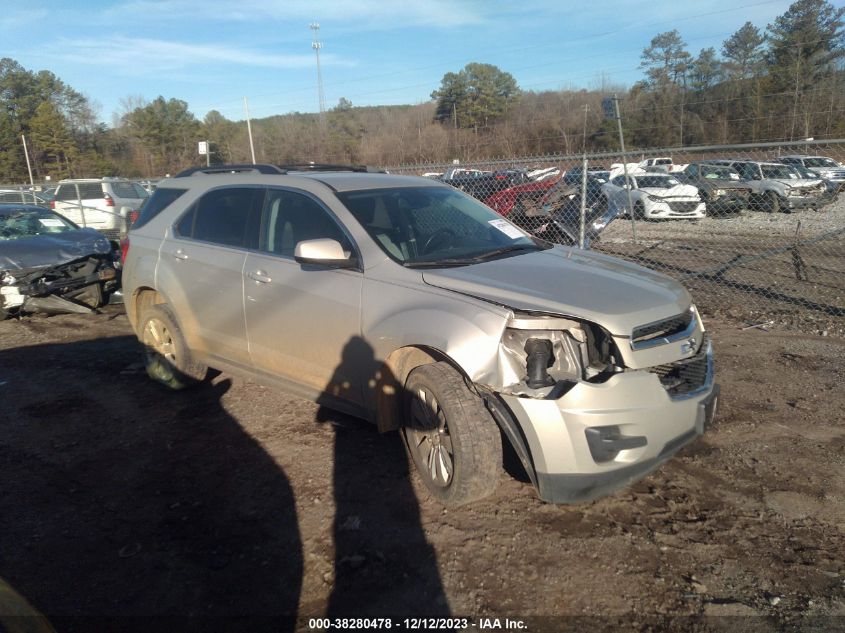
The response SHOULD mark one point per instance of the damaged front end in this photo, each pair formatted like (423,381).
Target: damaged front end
(78,285)
(588,412)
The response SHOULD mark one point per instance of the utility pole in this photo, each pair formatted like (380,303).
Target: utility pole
(625,169)
(249,130)
(316,44)
(29,167)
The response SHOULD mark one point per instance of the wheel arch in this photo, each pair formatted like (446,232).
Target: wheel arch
(393,375)
(142,298)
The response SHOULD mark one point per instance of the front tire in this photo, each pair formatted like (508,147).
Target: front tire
(451,437)
(639,210)
(772,202)
(166,356)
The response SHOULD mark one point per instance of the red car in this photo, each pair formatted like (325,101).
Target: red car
(505,200)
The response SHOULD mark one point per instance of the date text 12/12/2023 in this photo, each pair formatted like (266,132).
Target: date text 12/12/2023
(417,624)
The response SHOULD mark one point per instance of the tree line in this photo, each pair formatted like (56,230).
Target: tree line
(782,82)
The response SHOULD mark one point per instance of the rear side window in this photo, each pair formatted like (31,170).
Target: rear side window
(229,217)
(126,190)
(90,190)
(66,192)
(155,204)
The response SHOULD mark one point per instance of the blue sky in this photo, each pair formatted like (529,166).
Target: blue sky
(212,53)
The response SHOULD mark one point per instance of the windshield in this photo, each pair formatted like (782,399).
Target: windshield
(718,172)
(656,182)
(820,161)
(435,226)
(17,223)
(777,171)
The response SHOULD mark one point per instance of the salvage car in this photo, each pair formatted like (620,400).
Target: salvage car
(654,196)
(818,167)
(49,263)
(504,201)
(719,187)
(776,187)
(408,303)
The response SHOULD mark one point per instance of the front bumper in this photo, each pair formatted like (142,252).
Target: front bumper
(727,204)
(651,425)
(800,202)
(658,210)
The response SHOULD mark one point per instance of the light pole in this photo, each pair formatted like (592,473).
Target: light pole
(316,44)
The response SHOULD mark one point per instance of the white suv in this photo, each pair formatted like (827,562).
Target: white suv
(99,203)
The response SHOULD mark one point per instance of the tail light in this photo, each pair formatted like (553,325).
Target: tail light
(124,249)
(133,216)
(53,205)
(109,200)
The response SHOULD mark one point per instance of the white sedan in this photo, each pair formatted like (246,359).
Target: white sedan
(654,197)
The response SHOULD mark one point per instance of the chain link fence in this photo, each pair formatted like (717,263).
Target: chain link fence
(756,232)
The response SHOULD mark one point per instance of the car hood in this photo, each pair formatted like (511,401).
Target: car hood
(614,293)
(52,249)
(718,183)
(797,182)
(678,191)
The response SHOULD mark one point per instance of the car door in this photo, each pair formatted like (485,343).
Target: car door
(619,195)
(200,270)
(303,321)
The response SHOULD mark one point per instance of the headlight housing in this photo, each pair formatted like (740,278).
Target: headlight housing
(654,198)
(543,356)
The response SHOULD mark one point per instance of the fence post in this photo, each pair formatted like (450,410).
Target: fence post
(583,203)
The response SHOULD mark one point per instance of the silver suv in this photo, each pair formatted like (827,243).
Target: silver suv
(410,304)
(104,204)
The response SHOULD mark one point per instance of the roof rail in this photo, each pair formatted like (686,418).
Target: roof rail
(329,167)
(231,169)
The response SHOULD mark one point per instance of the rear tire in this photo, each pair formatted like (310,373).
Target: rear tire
(452,439)
(166,356)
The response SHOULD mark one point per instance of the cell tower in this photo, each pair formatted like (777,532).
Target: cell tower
(316,44)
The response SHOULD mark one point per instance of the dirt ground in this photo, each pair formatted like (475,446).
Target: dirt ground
(234,507)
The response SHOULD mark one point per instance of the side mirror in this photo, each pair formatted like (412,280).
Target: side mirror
(324,252)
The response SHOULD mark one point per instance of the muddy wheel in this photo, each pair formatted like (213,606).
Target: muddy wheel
(451,437)
(166,356)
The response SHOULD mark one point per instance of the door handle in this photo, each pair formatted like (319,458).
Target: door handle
(260,276)
(180,254)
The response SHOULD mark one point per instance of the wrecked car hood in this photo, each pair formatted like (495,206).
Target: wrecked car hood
(611,292)
(797,183)
(678,191)
(51,249)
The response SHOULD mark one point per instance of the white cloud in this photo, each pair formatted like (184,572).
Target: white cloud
(345,14)
(144,56)
(21,18)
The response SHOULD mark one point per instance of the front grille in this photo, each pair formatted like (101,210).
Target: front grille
(683,206)
(661,329)
(684,376)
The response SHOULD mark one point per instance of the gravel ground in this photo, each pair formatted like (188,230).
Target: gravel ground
(126,507)
(746,267)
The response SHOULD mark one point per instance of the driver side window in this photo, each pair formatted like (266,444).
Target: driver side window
(290,218)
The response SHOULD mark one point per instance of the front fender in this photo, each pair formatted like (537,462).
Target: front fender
(466,330)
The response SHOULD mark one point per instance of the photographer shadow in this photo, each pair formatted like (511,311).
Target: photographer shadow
(384,565)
